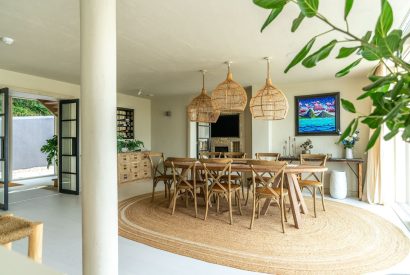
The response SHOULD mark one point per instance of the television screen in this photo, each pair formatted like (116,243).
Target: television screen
(226,126)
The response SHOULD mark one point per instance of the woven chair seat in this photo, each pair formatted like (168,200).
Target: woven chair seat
(266,192)
(309,183)
(218,188)
(13,229)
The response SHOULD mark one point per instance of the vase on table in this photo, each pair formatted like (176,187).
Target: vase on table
(349,153)
(305,151)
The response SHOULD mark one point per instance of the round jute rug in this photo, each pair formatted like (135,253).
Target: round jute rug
(342,240)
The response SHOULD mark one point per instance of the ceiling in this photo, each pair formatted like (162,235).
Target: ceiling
(162,44)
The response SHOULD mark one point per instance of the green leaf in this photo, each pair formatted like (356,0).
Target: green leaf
(373,138)
(348,106)
(273,14)
(347,131)
(308,7)
(346,70)
(370,53)
(301,54)
(406,134)
(367,36)
(380,82)
(345,52)
(270,4)
(319,55)
(390,44)
(397,89)
(393,112)
(297,21)
(373,122)
(355,125)
(391,134)
(385,20)
(348,7)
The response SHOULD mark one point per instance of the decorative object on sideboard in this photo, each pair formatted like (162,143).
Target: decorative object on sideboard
(202,108)
(307,146)
(317,114)
(229,96)
(349,143)
(269,103)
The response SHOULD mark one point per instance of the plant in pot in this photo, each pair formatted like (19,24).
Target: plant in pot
(307,146)
(349,142)
(135,145)
(50,148)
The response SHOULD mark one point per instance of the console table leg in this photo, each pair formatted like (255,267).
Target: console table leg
(360,179)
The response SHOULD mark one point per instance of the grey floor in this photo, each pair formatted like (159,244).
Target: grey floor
(61,215)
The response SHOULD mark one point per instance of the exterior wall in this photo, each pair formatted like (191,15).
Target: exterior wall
(29,134)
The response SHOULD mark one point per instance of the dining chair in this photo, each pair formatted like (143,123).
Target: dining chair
(159,173)
(268,188)
(313,180)
(183,184)
(214,170)
(260,156)
(237,177)
(209,155)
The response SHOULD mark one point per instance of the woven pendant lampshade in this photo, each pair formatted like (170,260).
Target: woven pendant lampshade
(229,96)
(201,108)
(269,103)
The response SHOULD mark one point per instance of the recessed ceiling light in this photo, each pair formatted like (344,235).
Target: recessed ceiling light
(7,40)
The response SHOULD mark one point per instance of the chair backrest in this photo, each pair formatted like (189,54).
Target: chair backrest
(316,160)
(235,155)
(214,169)
(181,167)
(275,170)
(268,156)
(209,155)
(157,161)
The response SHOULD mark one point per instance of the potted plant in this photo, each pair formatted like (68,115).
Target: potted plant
(134,145)
(349,142)
(307,146)
(51,150)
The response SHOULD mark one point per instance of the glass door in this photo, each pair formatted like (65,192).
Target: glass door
(203,135)
(68,142)
(4,148)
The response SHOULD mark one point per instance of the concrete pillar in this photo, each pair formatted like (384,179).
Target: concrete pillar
(98,137)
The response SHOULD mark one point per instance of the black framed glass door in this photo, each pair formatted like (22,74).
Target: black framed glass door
(203,136)
(69,151)
(4,148)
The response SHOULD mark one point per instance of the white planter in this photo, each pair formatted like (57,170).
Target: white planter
(338,184)
(349,153)
(124,149)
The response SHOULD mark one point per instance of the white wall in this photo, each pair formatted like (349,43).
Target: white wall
(62,90)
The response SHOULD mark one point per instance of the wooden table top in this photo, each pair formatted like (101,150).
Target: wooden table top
(240,165)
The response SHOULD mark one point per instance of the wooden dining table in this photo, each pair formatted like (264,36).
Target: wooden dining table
(297,203)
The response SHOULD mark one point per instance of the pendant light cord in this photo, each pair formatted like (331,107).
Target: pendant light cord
(268,70)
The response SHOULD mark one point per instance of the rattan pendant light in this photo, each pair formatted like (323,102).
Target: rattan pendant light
(201,108)
(269,103)
(229,96)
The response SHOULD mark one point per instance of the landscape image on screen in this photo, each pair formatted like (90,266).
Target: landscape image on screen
(317,114)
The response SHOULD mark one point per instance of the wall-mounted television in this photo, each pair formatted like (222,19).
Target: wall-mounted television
(226,126)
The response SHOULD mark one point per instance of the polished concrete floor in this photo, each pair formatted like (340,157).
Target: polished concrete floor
(61,215)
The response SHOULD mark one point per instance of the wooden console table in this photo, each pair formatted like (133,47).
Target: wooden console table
(356,161)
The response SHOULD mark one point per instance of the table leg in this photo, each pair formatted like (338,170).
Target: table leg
(360,179)
(299,195)
(294,202)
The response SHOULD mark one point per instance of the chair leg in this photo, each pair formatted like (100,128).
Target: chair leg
(322,192)
(217,203)
(154,185)
(314,200)
(259,208)
(253,211)
(174,202)
(243,188)
(186,199)
(207,205)
(284,210)
(165,189)
(230,207)
(247,195)
(35,243)
(282,214)
(195,204)
(239,203)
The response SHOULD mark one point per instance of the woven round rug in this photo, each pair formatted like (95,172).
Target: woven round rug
(343,240)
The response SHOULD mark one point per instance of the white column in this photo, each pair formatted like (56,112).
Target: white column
(98,137)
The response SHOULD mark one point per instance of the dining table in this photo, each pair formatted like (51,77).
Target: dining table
(296,202)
